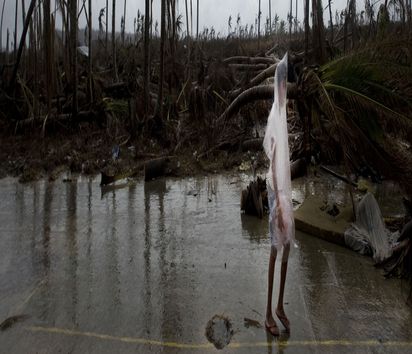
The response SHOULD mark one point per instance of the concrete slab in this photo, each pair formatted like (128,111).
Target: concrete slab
(144,267)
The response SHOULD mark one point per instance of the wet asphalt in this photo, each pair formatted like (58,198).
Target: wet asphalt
(144,267)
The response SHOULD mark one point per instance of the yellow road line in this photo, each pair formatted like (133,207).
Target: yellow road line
(233,345)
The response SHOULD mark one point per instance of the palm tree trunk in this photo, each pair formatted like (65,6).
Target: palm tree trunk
(23,11)
(73,44)
(270,17)
(47,50)
(114,41)
(306,19)
(124,21)
(15,30)
(296,16)
(1,27)
(290,21)
(146,57)
(191,17)
(197,20)
(188,40)
(21,44)
(90,63)
(107,28)
(331,22)
(162,53)
(259,26)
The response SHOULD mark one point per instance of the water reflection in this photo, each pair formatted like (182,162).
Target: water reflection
(277,344)
(148,260)
(255,228)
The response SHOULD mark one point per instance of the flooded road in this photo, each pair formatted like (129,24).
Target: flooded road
(141,268)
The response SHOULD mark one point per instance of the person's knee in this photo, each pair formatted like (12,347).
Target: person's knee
(286,250)
(273,252)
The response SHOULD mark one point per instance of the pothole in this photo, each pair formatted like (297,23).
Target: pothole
(219,331)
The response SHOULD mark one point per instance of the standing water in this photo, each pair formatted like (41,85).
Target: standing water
(144,267)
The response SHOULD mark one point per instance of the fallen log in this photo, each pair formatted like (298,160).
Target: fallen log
(265,74)
(338,176)
(248,67)
(160,167)
(249,60)
(63,117)
(262,92)
(252,144)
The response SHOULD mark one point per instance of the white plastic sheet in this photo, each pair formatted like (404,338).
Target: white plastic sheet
(368,234)
(275,143)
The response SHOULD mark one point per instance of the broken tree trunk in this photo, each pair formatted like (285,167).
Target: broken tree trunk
(249,60)
(254,198)
(21,44)
(263,92)
(160,167)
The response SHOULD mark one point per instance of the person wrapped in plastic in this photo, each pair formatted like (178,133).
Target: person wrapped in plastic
(281,221)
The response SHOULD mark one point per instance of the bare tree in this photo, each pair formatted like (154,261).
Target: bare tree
(1,26)
(146,56)
(197,20)
(306,20)
(107,27)
(296,16)
(23,11)
(90,63)
(73,45)
(47,50)
(270,16)
(331,20)
(188,39)
(124,21)
(259,12)
(15,30)
(162,53)
(21,44)
(114,41)
(290,20)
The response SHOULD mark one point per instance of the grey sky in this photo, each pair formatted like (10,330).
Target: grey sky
(212,12)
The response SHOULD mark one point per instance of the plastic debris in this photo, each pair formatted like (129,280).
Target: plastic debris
(368,234)
(275,143)
(115,152)
(83,50)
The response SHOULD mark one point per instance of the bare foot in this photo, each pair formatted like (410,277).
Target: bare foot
(271,326)
(282,317)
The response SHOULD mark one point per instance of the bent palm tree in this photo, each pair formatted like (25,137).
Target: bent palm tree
(363,101)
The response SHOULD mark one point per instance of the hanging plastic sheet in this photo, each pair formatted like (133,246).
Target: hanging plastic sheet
(275,143)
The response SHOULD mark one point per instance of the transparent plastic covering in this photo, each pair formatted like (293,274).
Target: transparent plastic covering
(368,234)
(275,144)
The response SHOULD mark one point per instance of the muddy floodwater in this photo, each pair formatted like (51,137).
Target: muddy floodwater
(144,267)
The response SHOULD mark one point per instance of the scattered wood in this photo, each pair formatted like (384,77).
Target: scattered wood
(254,200)
(248,67)
(249,60)
(251,201)
(337,175)
(252,144)
(108,177)
(54,118)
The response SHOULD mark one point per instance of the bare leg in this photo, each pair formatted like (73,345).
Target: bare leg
(280,312)
(270,321)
